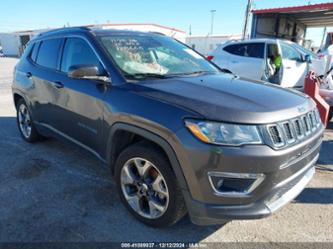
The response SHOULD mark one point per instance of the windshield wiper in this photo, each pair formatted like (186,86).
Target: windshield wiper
(149,75)
(190,73)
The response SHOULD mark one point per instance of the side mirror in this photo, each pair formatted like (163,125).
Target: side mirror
(307,58)
(87,72)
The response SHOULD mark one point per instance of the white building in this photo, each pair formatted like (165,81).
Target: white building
(14,43)
(206,44)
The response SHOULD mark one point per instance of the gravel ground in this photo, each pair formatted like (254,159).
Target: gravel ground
(51,191)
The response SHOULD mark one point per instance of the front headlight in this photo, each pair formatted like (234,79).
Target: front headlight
(223,133)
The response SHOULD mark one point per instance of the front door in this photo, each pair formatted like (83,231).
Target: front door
(81,100)
(294,69)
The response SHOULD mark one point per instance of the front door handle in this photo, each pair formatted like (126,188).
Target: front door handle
(57,84)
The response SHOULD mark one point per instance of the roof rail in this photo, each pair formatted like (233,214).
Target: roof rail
(64,29)
(156,32)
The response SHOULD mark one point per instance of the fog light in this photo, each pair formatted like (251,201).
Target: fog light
(234,184)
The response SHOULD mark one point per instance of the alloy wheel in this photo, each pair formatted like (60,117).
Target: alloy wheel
(24,120)
(144,188)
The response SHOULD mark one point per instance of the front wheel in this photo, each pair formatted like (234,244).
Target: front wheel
(148,187)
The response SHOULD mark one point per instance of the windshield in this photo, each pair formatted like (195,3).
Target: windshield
(146,55)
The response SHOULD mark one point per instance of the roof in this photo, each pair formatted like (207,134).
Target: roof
(314,15)
(85,29)
(258,40)
(309,7)
(135,24)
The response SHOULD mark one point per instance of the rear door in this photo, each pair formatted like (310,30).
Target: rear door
(247,59)
(221,57)
(81,100)
(45,74)
(294,69)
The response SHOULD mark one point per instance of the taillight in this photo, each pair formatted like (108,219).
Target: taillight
(210,57)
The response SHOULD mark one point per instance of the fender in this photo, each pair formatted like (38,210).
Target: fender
(16,91)
(151,137)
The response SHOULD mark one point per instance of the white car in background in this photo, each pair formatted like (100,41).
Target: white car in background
(253,59)
(327,54)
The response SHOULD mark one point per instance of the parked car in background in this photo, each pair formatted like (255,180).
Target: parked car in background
(278,61)
(178,134)
(327,54)
(1,52)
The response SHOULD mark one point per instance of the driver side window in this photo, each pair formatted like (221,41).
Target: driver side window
(78,52)
(290,53)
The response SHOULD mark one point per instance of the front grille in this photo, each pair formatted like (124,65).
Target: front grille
(275,134)
(289,132)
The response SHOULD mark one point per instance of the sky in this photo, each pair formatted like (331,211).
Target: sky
(229,17)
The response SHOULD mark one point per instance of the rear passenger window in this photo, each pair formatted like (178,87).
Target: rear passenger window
(253,50)
(48,53)
(34,52)
(78,52)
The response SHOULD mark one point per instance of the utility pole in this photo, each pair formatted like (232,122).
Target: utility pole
(212,21)
(247,17)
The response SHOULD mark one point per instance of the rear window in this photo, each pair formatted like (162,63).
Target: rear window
(254,50)
(48,53)
(33,54)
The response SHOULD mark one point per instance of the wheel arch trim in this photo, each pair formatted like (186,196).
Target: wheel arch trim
(153,137)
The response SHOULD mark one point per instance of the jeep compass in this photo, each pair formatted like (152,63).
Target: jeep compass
(179,134)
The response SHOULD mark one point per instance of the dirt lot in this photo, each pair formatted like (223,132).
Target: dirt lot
(54,192)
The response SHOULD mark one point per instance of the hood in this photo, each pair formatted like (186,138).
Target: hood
(225,97)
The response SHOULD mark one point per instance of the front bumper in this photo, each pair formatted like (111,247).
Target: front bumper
(286,171)
(205,214)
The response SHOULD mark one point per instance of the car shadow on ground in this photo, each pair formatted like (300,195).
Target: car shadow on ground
(56,192)
(325,160)
(316,196)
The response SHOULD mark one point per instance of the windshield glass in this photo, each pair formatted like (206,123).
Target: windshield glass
(147,55)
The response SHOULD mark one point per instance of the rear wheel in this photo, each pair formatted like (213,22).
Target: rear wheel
(148,187)
(25,123)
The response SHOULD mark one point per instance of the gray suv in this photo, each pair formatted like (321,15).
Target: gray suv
(180,135)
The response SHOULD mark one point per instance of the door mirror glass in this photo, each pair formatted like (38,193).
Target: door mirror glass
(82,71)
(86,72)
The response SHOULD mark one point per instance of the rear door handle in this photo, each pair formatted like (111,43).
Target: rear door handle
(57,84)
(28,74)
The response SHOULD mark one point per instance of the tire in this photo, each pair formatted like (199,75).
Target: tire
(156,166)
(25,124)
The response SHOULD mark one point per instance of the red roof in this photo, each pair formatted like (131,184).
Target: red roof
(309,7)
